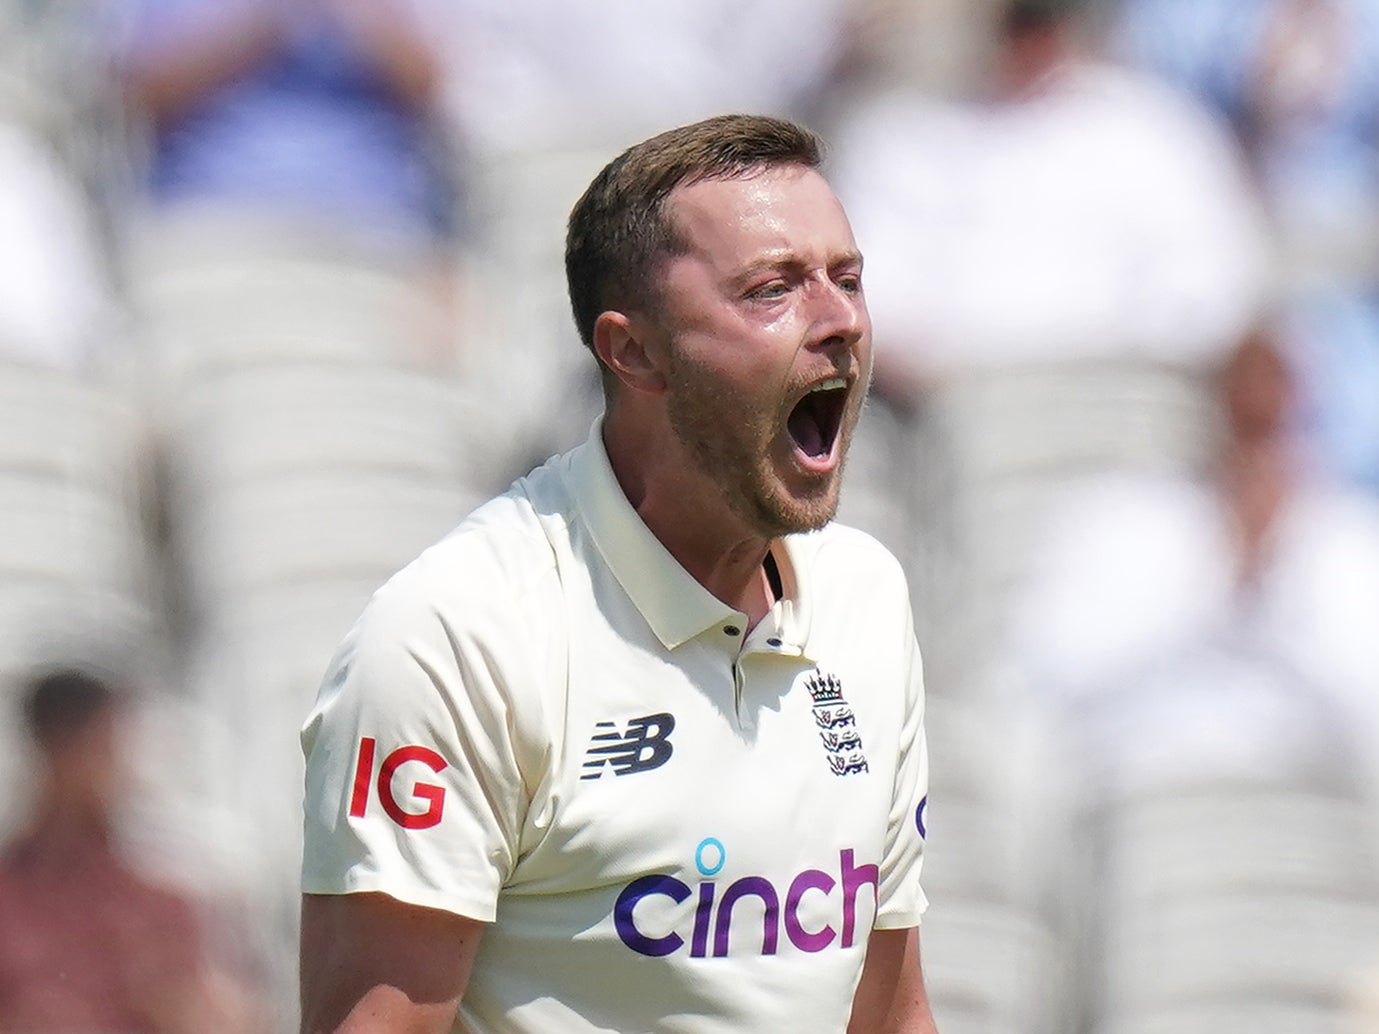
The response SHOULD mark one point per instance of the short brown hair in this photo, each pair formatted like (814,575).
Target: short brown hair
(618,231)
(61,702)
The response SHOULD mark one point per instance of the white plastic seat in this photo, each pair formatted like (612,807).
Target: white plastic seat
(324,525)
(994,963)
(73,560)
(1228,843)
(1061,418)
(215,296)
(1260,1015)
(260,422)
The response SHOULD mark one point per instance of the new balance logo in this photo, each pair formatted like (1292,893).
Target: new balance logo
(644,745)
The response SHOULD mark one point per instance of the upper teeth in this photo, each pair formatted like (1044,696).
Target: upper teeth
(830,384)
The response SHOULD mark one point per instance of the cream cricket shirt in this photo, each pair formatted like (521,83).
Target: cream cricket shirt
(545,723)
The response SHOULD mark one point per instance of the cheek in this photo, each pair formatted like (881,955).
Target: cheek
(749,365)
(754,364)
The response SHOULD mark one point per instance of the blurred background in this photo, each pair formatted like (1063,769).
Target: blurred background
(282,298)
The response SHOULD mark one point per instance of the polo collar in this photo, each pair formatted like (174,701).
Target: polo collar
(676,606)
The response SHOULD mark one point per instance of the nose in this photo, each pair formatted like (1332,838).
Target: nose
(839,316)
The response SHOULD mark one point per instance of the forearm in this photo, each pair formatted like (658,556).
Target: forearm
(890,997)
(168,83)
(385,1010)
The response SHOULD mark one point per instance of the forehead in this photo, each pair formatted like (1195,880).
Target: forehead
(789,209)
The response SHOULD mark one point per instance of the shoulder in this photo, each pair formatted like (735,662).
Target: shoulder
(842,560)
(850,549)
(460,642)
(482,606)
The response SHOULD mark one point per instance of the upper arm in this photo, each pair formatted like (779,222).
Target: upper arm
(420,750)
(890,997)
(370,963)
(900,897)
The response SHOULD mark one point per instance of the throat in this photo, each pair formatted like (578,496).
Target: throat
(773,582)
(815,420)
(769,591)
(806,431)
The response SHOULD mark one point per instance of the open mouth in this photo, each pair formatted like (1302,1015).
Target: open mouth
(816,418)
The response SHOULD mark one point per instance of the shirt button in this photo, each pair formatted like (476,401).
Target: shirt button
(732,630)
(773,641)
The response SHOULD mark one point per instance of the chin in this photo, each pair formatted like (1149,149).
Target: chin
(787,514)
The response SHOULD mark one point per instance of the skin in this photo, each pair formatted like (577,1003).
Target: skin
(370,963)
(890,997)
(765,302)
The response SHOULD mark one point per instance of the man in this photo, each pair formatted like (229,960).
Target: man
(639,746)
(86,941)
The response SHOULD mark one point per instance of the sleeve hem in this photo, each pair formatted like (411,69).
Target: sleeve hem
(901,917)
(482,910)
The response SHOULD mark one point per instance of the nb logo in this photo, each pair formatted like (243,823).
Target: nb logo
(644,745)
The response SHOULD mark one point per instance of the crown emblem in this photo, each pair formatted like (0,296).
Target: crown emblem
(824,688)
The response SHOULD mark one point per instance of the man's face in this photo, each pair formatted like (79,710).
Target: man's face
(769,342)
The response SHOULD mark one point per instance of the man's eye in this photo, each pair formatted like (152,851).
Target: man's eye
(850,282)
(775,289)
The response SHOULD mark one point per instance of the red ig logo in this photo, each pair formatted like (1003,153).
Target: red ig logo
(433,795)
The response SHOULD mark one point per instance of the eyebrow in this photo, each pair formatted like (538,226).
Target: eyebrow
(785,259)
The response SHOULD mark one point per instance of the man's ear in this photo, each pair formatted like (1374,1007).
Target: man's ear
(631,349)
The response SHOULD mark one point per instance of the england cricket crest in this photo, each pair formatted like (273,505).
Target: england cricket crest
(836,723)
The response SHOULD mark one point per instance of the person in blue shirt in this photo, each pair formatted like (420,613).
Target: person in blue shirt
(1298,81)
(313,110)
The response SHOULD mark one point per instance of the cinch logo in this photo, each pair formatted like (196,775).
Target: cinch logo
(431,794)
(644,746)
(712,927)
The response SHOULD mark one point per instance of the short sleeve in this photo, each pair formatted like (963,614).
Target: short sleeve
(417,765)
(900,899)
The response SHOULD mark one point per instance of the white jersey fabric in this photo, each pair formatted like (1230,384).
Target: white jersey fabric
(545,723)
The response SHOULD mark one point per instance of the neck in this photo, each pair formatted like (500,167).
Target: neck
(1257,479)
(61,830)
(686,511)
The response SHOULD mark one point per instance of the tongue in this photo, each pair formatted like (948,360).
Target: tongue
(804,428)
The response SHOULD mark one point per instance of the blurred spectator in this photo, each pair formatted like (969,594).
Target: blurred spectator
(1068,210)
(1052,263)
(1132,569)
(301,219)
(304,111)
(1298,80)
(302,193)
(1208,645)
(86,942)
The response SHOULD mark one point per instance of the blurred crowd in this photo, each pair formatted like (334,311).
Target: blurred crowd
(283,297)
